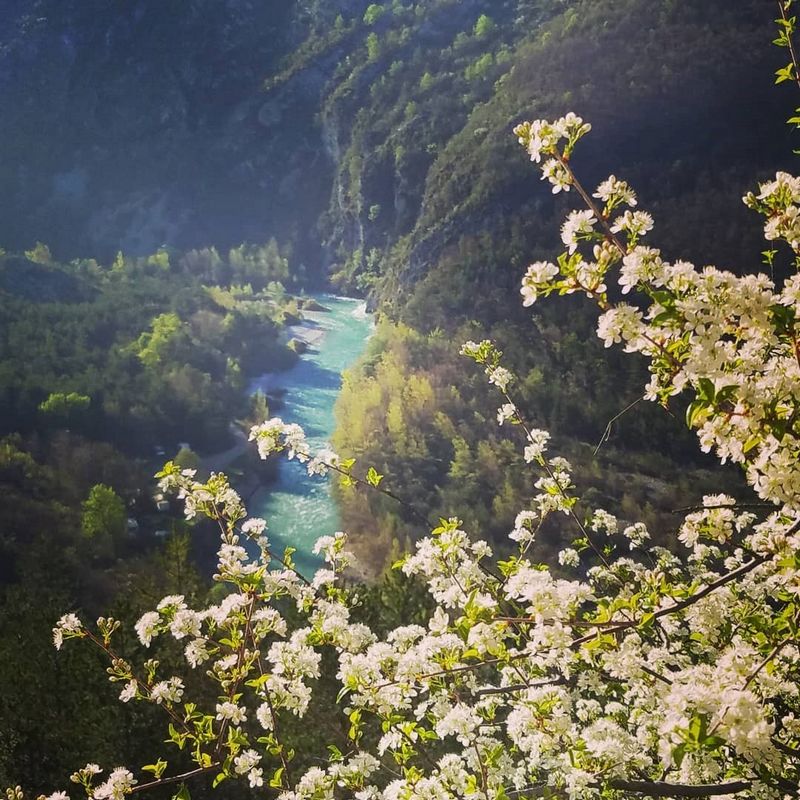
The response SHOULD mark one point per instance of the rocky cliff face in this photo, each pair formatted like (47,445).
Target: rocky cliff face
(426,164)
(372,143)
(135,124)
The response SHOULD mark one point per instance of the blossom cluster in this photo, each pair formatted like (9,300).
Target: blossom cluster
(731,342)
(521,680)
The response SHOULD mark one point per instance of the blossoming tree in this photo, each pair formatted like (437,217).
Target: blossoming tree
(645,673)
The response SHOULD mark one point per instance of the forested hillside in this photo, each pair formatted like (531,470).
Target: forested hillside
(107,370)
(145,352)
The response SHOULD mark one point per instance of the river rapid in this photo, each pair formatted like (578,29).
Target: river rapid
(298,508)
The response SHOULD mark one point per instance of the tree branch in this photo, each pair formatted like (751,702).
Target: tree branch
(645,788)
(662,789)
(733,506)
(686,602)
(175,778)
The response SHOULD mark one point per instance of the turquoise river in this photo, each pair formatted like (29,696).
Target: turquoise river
(299,509)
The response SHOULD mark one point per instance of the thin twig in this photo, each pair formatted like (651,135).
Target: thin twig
(601,218)
(790,44)
(774,652)
(611,627)
(733,506)
(234,688)
(611,237)
(607,432)
(139,681)
(662,789)
(520,687)
(646,788)
(549,470)
(657,675)
(174,778)
(404,503)
(688,601)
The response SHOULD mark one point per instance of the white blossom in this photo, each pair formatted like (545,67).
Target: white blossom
(69,625)
(231,711)
(147,627)
(119,783)
(579,225)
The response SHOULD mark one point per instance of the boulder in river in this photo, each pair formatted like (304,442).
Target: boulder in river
(297,345)
(310,304)
(291,319)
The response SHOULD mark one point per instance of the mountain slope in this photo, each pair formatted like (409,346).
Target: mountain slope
(134,125)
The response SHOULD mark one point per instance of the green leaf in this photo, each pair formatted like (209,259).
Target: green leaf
(373,478)
(276,780)
(157,769)
(343,692)
(176,737)
(336,753)
(706,390)
(182,793)
(697,727)
(355,725)
(647,620)
(694,412)
(752,442)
